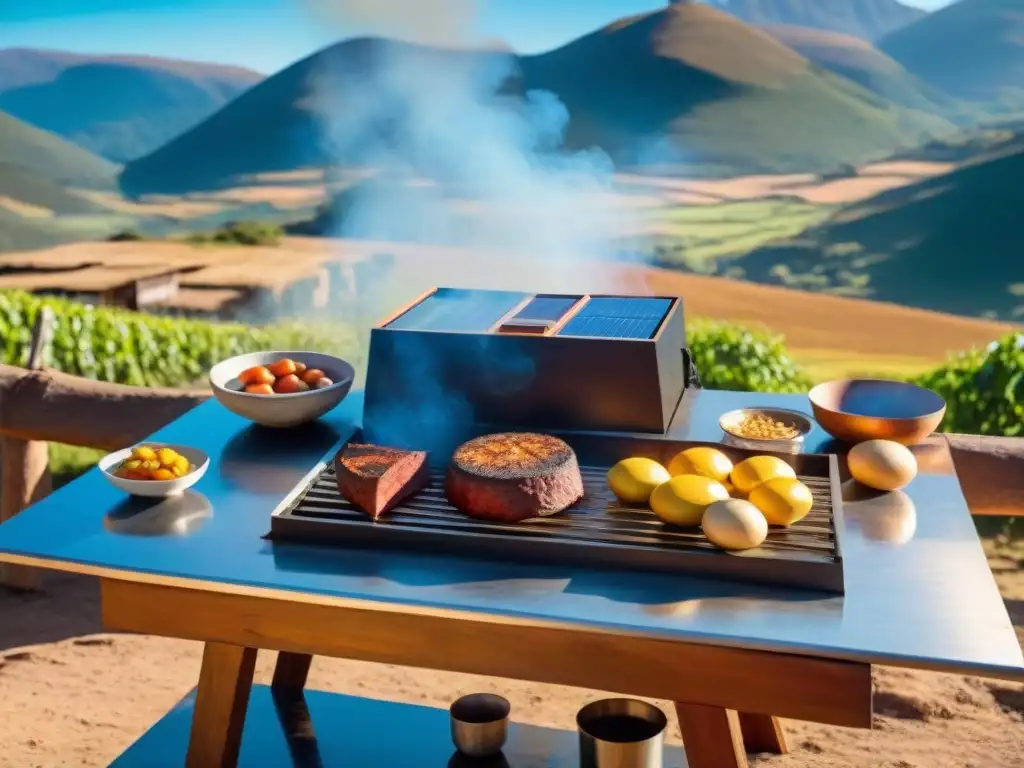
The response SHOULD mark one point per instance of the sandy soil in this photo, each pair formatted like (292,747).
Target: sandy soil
(27,210)
(174,207)
(872,179)
(74,696)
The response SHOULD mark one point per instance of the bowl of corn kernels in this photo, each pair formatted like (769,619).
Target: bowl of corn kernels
(765,428)
(155,469)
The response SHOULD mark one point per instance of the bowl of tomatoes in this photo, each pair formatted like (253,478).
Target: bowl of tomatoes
(281,389)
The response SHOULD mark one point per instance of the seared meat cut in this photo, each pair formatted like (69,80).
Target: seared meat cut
(375,478)
(513,476)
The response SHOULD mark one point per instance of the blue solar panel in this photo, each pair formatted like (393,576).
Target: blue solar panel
(549,308)
(612,317)
(458,310)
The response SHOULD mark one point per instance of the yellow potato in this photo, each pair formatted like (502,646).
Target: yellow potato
(750,473)
(682,500)
(633,480)
(163,474)
(782,500)
(701,460)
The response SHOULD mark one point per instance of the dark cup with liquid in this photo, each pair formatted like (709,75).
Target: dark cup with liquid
(621,733)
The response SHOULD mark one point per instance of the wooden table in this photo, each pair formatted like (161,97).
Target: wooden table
(735,659)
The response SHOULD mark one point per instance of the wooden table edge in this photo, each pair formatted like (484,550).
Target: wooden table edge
(991,671)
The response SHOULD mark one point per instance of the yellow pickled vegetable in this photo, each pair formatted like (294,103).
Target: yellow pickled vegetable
(166,457)
(144,452)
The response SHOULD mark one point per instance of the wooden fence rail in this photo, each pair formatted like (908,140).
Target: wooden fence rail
(39,405)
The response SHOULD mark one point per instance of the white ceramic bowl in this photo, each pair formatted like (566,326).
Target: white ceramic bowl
(281,410)
(156,488)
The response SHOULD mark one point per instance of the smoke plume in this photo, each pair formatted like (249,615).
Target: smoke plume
(465,153)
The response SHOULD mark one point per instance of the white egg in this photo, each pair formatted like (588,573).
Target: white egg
(882,464)
(734,524)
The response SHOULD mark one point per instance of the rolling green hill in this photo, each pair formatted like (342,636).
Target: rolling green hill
(50,157)
(723,92)
(119,107)
(973,49)
(951,243)
(702,86)
(867,19)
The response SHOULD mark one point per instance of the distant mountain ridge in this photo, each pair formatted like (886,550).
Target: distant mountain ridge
(973,49)
(861,62)
(119,107)
(697,80)
(867,19)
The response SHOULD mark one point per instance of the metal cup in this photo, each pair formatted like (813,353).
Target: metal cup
(621,733)
(480,724)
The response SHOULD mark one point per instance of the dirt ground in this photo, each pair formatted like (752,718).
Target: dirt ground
(75,696)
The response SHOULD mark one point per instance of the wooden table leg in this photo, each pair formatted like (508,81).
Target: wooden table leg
(711,736)
(225,682)
(291,672)
(763,734)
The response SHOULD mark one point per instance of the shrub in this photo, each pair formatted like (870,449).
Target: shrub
(983,389)
(146,350)
(126,236)
(240,233)
(735,358)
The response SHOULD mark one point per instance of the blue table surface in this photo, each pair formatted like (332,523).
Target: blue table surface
(919,591)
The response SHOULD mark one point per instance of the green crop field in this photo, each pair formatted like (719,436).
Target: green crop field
(707,238)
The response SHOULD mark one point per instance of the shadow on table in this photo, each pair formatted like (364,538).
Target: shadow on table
(655,592)
(270,461)
(172,516)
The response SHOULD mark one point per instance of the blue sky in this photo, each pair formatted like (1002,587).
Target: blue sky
(267,35)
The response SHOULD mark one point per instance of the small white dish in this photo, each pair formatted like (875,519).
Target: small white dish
(156,488)
(731,421)
(289,410)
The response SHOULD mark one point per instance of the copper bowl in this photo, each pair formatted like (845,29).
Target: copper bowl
(855,410)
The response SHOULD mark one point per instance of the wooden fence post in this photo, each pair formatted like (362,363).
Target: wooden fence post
(25,474)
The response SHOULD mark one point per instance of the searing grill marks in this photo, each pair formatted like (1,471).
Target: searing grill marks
(513,454)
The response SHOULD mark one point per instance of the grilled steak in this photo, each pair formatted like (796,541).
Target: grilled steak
(375,478)
(513,476)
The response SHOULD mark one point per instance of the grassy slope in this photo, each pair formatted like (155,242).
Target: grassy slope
(972,48)
(117,107)
(697,237)
(949,243)
(50,157)
(24,186)
(722,91)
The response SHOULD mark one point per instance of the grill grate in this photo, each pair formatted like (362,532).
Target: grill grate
(597,530)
